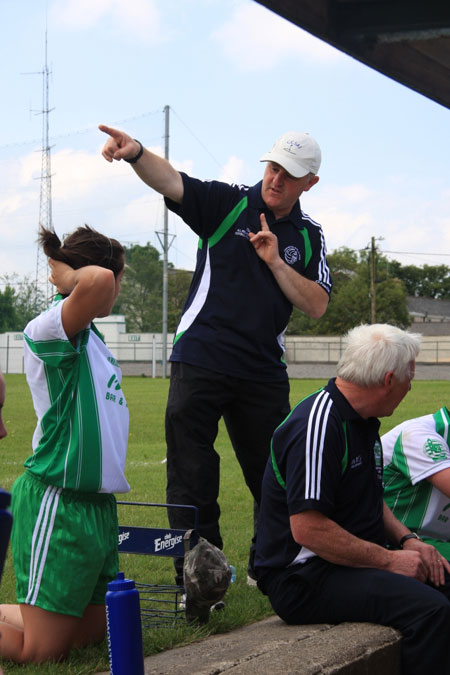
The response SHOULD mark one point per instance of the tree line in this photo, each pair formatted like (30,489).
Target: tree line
(352,271)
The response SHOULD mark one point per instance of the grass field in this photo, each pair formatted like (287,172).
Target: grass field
(146,474)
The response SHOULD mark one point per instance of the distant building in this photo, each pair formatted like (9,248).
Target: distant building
(429,316)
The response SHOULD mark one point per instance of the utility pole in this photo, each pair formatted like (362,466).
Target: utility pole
(373,313)
(165,247)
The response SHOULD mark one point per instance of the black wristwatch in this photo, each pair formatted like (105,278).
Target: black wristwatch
(411,535)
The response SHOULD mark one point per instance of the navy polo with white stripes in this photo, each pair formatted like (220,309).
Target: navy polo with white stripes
(324,457)
(235,314)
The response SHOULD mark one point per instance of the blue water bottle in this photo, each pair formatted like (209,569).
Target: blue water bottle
(124,627)
(5,526)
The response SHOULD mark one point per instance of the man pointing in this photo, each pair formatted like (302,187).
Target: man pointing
(259,255)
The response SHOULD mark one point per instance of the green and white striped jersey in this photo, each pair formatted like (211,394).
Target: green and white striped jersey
(80,441)
(413,451)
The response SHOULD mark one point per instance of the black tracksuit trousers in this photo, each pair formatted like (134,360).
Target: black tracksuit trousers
(198,398)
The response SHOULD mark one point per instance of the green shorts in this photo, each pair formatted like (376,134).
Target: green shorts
(64,545)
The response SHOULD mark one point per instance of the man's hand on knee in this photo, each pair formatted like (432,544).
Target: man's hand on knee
(434,562)
(409,563)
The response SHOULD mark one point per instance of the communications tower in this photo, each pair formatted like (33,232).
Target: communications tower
(45,199)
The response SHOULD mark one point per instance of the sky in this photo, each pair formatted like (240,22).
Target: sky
(235,77)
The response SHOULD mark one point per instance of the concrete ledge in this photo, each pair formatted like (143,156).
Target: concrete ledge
(270,647)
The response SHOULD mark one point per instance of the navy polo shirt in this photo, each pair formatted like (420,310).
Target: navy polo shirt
(235,314)
(324,457)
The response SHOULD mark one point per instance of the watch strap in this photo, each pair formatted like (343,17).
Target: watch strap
(133,160)
(410,535)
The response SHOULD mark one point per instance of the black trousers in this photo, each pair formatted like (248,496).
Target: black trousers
(198,398)
(319,592)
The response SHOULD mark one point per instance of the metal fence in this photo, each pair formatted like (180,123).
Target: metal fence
(145,356)
(148,352)
(11,352)
(434,350)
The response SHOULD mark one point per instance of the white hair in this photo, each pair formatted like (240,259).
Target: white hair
(373,350)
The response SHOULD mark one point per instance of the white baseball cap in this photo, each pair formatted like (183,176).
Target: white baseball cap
(297,152)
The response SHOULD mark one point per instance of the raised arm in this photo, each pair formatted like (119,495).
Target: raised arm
(155,171)
(92,291)
(304,294)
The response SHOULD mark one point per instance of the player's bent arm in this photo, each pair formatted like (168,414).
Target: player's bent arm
(92,295)
(332,543)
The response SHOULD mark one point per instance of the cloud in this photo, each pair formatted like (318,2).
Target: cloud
(132,19)
(19,204)
(257,39)
(352,194)
(76,171)
(233,171)
(76,14)
(342,225)
(87,189)
(352,214)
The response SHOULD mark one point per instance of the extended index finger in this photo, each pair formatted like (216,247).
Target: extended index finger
(263,221)
(115,133)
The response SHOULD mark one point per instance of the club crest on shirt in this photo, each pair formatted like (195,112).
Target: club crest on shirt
(435,450)
(291,255)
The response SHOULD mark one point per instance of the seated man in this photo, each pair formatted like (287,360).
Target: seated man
(321,548)
(416,476)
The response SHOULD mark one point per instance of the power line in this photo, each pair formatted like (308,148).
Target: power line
(198,140)
(422,253)
(79,132)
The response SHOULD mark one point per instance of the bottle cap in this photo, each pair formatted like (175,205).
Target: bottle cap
(5,499)
(121,584)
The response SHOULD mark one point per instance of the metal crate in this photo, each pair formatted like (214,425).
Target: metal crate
(161,605)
